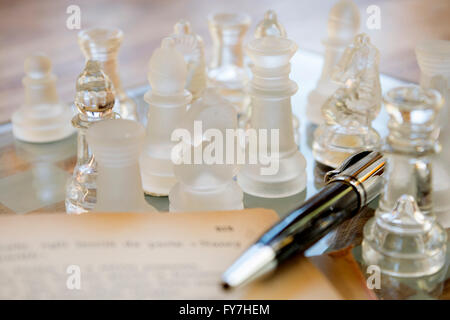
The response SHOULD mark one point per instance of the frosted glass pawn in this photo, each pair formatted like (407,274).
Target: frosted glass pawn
(168,102)
(42,118)
(350,110)
(191,46)
(116,145)
(102,45)
(343,26)
(280,167)
(94,101)
(204,175)
(404,242)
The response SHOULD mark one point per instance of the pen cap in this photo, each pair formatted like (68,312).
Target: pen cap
(362,171)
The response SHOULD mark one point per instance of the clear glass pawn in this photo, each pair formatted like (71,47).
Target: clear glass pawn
(94,101)
(410,145)
(102,45)
(404,242)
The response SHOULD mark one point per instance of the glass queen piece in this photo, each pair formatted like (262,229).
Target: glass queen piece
(94,101)
(350,111)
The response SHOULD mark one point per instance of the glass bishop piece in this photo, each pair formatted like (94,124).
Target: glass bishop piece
(350,111)
(94,101)
(410,145)
(404,242)
(103,45)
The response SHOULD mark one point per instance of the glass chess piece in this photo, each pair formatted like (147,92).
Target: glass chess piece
(343,26)
(351,109)
(280,169)
(410,145)
(404,242)
(433,57)
(42,118)
(116,145)
(168,102)
(206,184)
(270,26)
(227,72)
(192,48)
(94,101)
(102,44)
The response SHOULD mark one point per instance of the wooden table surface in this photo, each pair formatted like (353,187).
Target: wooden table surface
(29,26)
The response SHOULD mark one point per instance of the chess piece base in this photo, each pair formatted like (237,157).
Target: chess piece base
(228,197)
(289,180)
(331,146)
(46,123)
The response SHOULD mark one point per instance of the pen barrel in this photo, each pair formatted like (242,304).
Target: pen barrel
(335,203)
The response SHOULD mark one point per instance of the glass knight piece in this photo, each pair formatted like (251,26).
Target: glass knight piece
(191,46)
(350,111)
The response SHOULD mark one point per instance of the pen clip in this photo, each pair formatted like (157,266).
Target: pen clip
(346,164)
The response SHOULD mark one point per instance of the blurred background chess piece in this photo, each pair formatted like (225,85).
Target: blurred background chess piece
(42,117)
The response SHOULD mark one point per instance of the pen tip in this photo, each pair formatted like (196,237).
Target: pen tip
(225,286)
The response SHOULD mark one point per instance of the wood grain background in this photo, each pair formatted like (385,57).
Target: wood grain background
(29,26)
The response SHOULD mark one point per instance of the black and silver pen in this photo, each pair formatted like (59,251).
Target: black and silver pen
(348,189)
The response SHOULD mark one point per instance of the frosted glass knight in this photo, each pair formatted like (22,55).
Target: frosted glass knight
(191,46)
(350,110)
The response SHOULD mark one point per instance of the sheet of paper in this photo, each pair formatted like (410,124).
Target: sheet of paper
(141,256)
